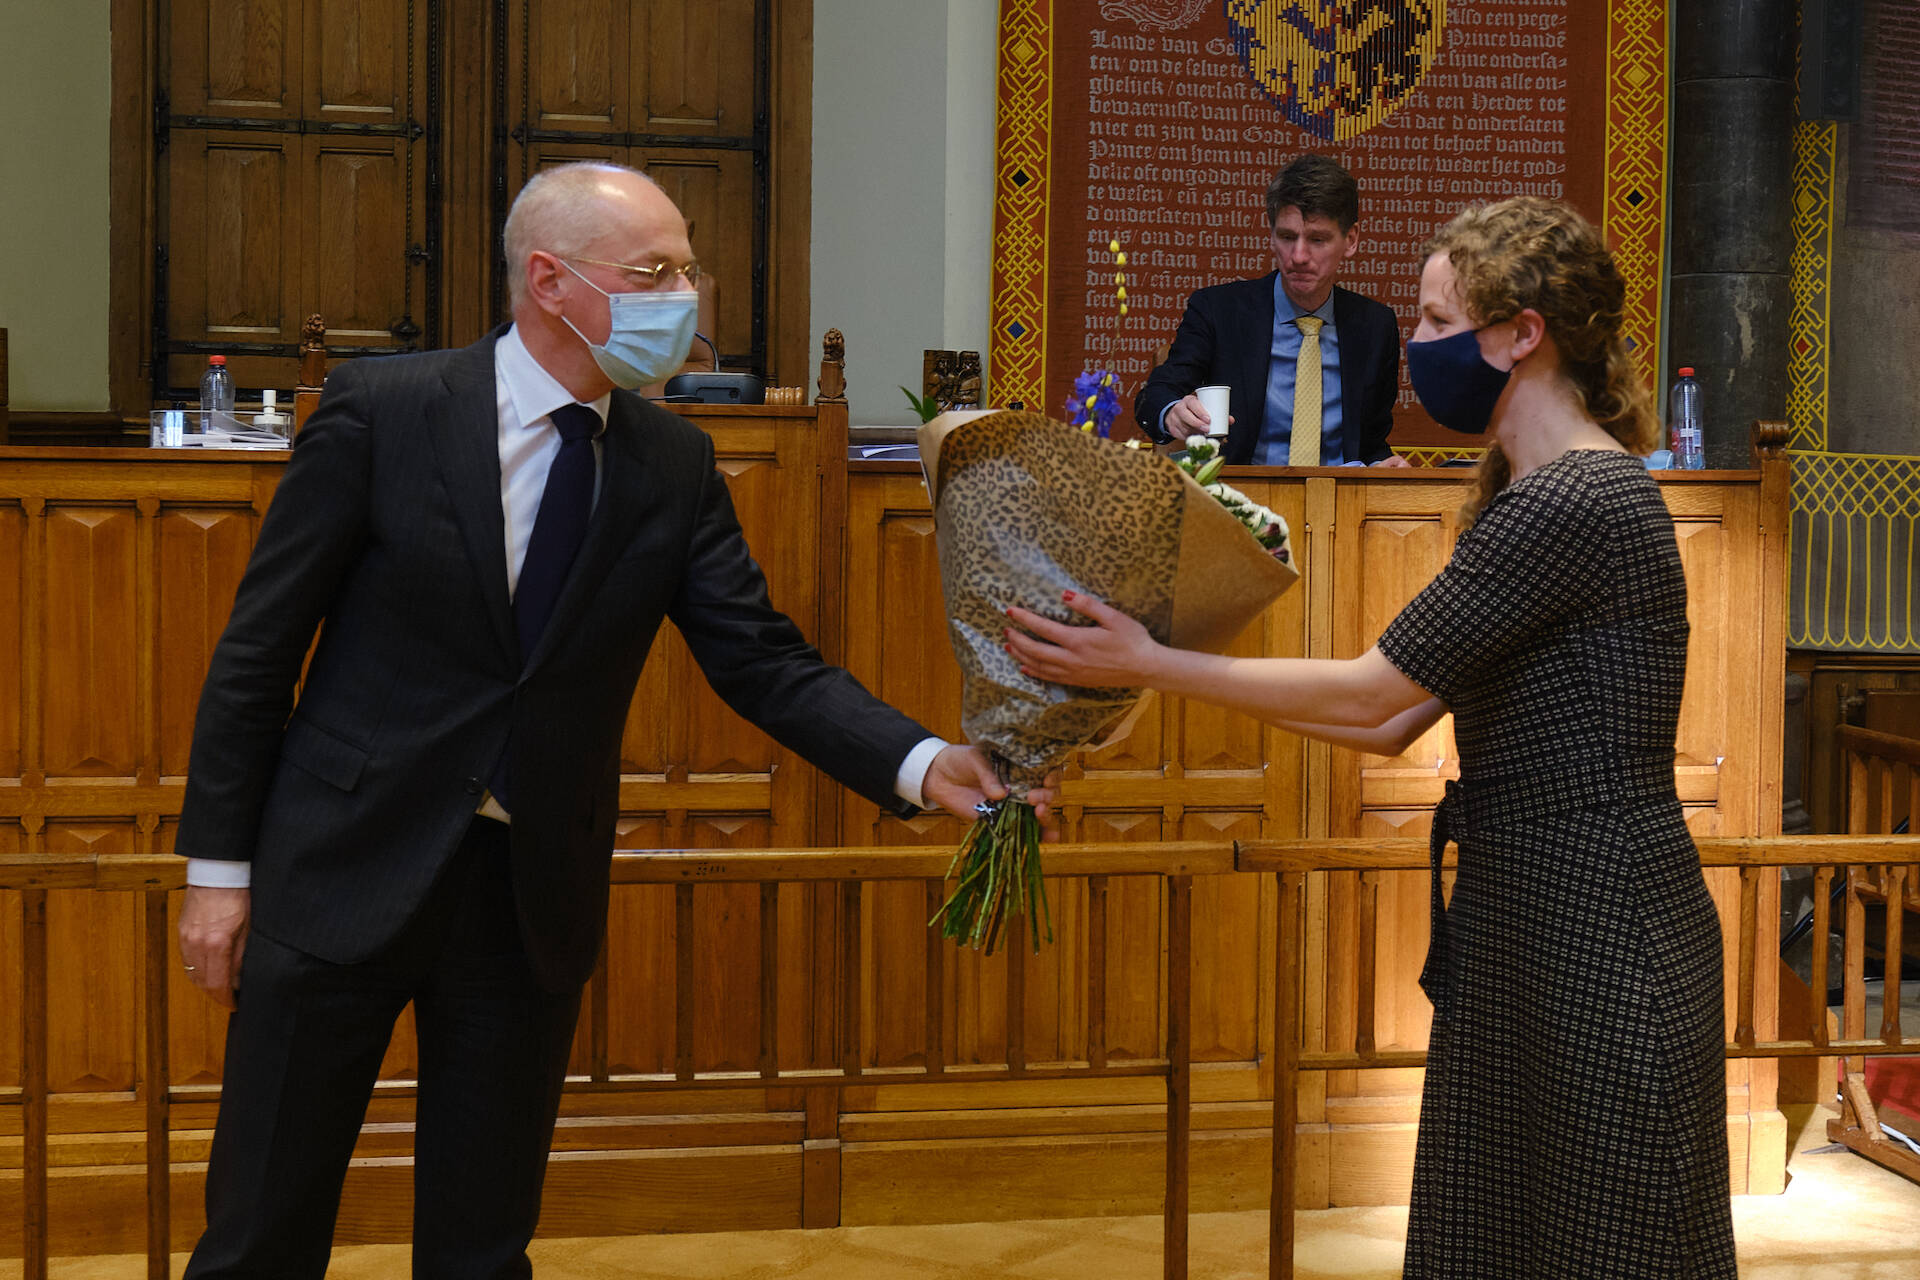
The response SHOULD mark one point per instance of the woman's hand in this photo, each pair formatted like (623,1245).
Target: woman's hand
(1116,650)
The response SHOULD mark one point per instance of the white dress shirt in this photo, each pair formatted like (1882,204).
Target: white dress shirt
(524,395)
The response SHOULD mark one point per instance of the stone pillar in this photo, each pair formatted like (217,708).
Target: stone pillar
(1731,211)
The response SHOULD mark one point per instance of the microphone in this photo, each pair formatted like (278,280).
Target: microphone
(714,387)
(716,351)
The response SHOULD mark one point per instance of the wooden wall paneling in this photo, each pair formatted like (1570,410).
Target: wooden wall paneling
(234,250)
(1136,940)
(202,552)
(726,952)
(1402,537)
(1229,918)
(469,250)
(355,236)
(894,962)
(354,57)
(91,634)
(893,572)
(1720,657)
(239,58)
(640,951)
(13,621)
(578,64)
(135,48)
(1054,980)
(93,1006)
(1402,1016)
(714,190)
(790,196)
(687,57)
(1282,632)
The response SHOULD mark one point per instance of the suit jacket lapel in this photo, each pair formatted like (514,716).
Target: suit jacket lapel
(622,501)
(464,427)
(1356,368)
(1254,350)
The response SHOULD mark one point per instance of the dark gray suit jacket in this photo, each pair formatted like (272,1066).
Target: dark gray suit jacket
(387,533)
(1226,337)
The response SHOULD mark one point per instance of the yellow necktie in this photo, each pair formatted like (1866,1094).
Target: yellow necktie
(1303,445)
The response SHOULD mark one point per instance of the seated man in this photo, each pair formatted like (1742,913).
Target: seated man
(1254,335)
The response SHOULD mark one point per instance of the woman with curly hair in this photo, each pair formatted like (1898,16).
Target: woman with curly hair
(1573,1122)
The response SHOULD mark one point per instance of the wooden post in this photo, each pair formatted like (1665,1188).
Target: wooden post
(33,1076)
(829,631)
(313,370)
(158,1086)
(1179,897)
(1286,1061)
(683,1060)
(1096,971)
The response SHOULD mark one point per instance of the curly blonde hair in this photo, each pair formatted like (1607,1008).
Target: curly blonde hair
(1524,253)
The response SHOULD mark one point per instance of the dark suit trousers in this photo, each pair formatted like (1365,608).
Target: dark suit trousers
(303,1051)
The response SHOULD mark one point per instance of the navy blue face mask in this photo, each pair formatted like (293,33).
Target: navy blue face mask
(1455,382)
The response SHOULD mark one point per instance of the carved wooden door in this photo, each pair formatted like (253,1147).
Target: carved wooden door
(676,88)
(297,171)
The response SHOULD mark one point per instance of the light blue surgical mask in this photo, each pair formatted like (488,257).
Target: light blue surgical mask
(648,335)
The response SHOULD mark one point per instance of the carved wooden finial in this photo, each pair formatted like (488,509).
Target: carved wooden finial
(1770,438)
(313,353)
(833,367)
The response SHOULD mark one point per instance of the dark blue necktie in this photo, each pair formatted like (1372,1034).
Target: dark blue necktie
(558,531)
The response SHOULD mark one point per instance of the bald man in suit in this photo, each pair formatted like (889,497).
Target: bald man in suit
(487,541)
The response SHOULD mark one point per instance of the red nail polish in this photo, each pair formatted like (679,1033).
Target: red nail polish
(1066,595)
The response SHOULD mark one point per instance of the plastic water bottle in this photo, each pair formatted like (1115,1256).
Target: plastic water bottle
(216,393)
(1684,423)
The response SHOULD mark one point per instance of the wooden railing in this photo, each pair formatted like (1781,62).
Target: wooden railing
(1883,796)
(850,870)
(1755,859)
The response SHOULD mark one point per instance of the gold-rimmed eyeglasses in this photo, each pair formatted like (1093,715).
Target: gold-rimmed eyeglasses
(650,277)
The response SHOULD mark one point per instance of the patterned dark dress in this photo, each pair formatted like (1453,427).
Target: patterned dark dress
(1574,1120)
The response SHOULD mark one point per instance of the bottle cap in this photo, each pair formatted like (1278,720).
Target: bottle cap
(269,400)
(219,360)
(1686,371)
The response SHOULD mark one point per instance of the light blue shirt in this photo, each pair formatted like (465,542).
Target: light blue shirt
(1275,432)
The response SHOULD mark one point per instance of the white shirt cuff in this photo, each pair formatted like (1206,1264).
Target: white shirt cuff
(213,873)
(912,777)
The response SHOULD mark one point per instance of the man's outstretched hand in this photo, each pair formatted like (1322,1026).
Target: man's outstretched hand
(962,777)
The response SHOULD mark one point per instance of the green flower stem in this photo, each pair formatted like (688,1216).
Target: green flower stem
(996,875)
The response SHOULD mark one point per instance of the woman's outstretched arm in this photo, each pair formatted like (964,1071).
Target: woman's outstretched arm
(1366,692)
(1389,739)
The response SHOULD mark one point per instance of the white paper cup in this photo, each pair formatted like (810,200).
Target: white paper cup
(1214,400)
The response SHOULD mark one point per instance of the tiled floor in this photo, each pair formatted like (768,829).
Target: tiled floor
(1842,1218)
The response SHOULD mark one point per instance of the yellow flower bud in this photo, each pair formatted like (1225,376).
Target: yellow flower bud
(1123,308)
(1121,293)
(1119,277)
(1106,379)
(1090,400)
(1113,246)
(1122,259)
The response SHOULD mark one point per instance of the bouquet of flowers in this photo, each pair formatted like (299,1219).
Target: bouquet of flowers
(1027,509)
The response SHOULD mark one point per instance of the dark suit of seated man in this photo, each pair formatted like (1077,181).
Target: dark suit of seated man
(1249,335)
